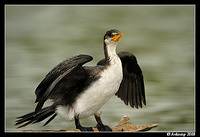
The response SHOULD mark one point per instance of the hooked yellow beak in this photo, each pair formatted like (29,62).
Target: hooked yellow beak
(117,37)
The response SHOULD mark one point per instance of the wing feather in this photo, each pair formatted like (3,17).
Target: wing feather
(54,79)
(58,70)
(126,88)
(130,94)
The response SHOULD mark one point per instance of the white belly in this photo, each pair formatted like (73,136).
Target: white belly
(97,95)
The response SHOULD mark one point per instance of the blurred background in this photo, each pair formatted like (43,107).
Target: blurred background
(161,37)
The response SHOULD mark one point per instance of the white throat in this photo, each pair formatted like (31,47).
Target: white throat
(111,50)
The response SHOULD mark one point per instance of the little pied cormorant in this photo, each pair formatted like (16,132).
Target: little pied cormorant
(79,91)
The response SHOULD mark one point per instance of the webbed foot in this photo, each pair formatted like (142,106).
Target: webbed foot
(103,127)
(85,128)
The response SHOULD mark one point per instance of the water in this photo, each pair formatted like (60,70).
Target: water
(161,37)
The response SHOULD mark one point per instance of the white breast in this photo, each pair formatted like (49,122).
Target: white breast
(97,95)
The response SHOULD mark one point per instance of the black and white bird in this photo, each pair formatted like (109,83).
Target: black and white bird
(79,91)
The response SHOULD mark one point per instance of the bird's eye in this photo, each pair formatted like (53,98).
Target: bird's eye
(113,34)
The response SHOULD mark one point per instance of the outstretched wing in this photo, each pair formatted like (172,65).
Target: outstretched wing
(131,90)
(56,77)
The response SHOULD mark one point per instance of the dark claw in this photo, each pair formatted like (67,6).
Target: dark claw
(85,128)
(103,128)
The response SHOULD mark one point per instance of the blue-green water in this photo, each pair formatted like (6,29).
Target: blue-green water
(161,37)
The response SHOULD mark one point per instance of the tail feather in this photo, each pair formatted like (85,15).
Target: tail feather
(28,116)
(32,118)
(50,119)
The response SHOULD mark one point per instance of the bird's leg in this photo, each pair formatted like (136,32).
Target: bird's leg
(78,125)
(100,126)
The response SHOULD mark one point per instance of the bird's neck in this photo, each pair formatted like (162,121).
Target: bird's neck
(110,52)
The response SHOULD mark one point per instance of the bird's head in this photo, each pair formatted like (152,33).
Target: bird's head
(112,36)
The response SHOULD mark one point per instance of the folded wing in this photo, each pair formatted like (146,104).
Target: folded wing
(69,71)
